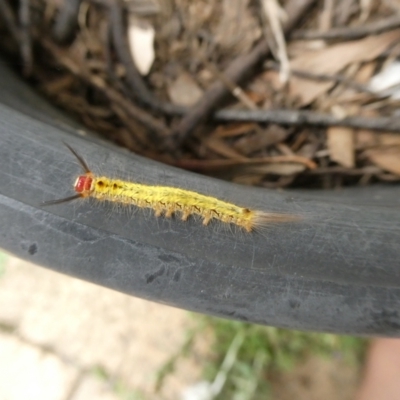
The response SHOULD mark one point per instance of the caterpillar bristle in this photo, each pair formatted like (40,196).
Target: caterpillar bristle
(264,219)
(169,201)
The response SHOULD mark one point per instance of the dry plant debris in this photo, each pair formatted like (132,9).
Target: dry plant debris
(262,92)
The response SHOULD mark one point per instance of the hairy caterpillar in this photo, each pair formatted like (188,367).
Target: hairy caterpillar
(167,200)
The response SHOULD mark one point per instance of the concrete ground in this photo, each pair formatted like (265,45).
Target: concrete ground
(65,339)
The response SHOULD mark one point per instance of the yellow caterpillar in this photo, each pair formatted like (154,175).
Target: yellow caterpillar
(166,200)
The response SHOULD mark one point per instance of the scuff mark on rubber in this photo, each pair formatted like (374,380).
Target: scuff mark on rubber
(150,278)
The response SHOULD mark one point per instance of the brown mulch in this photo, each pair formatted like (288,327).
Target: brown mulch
(261,92)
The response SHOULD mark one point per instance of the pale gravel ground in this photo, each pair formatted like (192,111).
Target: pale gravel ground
(60,329)
(318,379)
(26,372)
(56,331)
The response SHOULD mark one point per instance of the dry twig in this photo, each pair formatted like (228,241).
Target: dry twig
(139,89)
(350,32)
(7,16)
(239,69)
(114,96)
(25,36)
(273,13)
(210,165)
(312,118)
(66,21)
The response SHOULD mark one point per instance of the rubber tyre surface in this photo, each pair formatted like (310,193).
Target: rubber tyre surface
(338,270)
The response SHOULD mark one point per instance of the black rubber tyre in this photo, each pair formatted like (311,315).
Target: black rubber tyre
(338,270)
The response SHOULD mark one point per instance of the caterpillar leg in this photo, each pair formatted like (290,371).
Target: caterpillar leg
(158,211)
(170,211)
(207,218)
(185,215)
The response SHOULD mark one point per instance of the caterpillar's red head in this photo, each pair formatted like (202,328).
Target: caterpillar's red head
(83,184)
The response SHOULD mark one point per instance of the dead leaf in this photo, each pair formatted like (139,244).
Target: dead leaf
(141,43)
(388,139)
(366,139)
(249,180)
(220,147)
(333,59)
(143,7)
(232,130)
(386,158)
(237,19)
(341,145)
(387,81)
(261,139)
(365,73)
(350,95)
(272,77)
(184,90)
(308,150)
(284,169)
